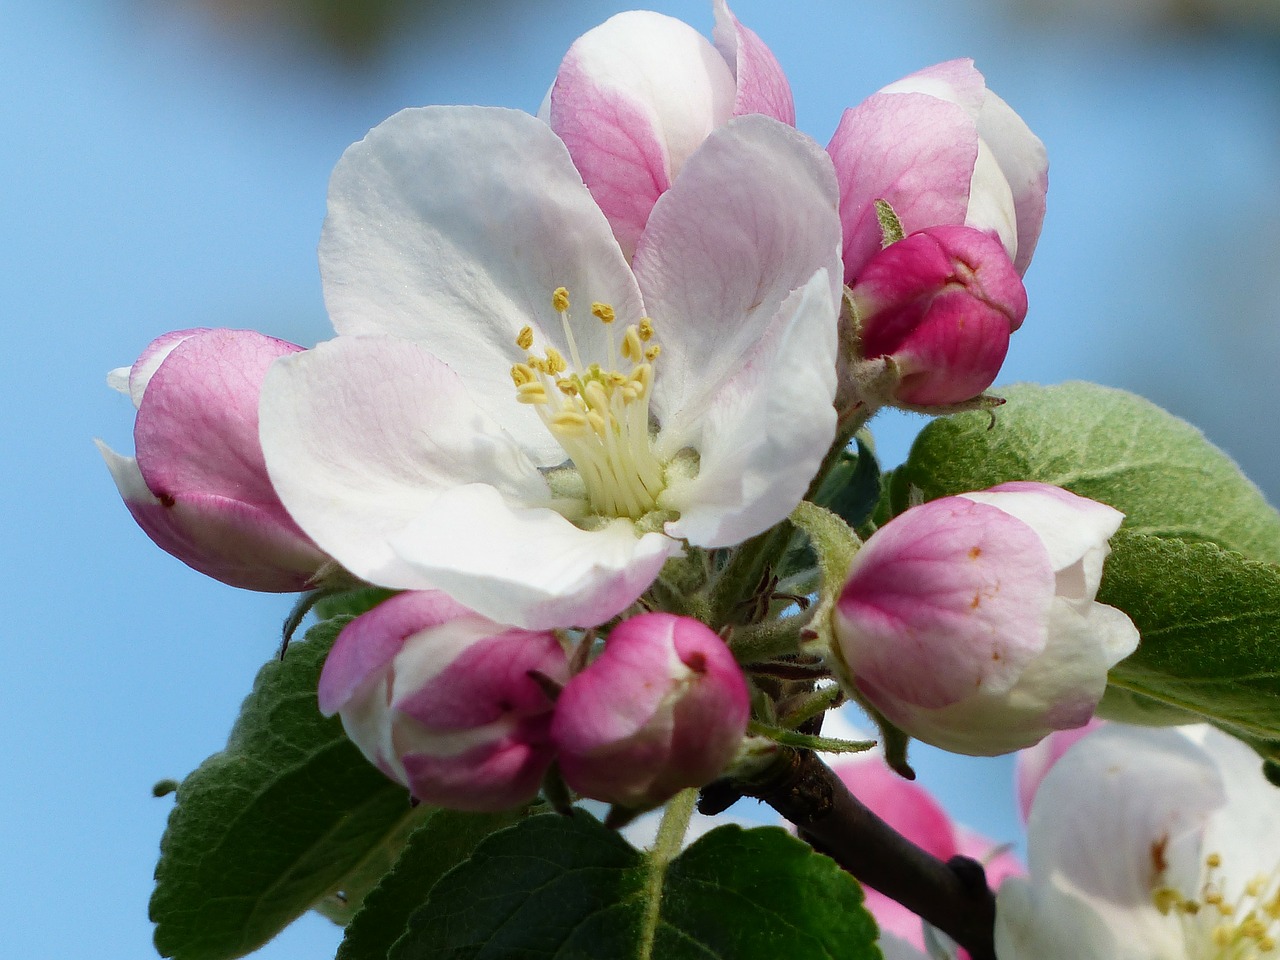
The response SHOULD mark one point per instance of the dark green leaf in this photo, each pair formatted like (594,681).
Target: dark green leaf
(1104,444)
(437,846)
(280,819)
(852,487)
(567,888)
(1210,626)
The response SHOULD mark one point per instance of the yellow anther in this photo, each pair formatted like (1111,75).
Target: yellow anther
(531,393)
(646,329)
(555,361)
(537,363)
(632,346)
(1266,943)
(597,423)
(651,354)
(1212,897)
(567,387)
(1213,861)
(1166,899)
(524,339)
(522,373)
(1254,887)
(603,312)
(560,299)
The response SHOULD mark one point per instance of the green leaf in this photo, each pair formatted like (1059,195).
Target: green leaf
(277,821)
(435,847)
(1210,626)
(1104,444)
(567,888)
(851,489)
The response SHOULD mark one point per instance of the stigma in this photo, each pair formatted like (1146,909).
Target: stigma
(599,414)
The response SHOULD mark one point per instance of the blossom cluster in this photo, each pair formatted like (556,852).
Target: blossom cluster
(587,364)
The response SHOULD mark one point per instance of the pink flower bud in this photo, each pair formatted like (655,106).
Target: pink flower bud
(970,621)
(664,707)
(941,303)
(198,486)
(636,96)
(941,149)
(443,701)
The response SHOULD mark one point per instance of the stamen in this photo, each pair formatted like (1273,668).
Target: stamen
(1243,928)
(600,416)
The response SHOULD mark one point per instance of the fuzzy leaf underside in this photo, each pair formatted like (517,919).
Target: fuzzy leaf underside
(1210,626)
(1104,444)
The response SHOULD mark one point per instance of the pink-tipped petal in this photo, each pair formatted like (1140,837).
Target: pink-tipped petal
(750,220)
(634,97)
(762,87)
(912,150)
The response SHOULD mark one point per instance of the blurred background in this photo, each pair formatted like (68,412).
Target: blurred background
(164,165)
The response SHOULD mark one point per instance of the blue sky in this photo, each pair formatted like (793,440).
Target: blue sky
(159,174)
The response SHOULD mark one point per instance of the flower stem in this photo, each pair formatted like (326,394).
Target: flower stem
(671,831)
(951,896)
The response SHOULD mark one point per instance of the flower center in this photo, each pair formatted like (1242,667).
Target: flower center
(1219,926)
(599,416)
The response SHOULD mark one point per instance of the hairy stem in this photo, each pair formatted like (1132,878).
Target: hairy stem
(666,847)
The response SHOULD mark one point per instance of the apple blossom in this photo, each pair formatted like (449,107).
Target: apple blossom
(913,811)
(198,486)
(635,96)
(497,419)
(939,148)
(1035,762)
(662,708)
(1148,844)
(970,621)
(441,700)
(940,304)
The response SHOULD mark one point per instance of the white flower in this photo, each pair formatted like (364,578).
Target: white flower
(516,415)
(1148,845)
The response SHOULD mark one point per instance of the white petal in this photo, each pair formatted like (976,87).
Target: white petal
(529,566)
(127,476)
(453,226)
(1074,529)
(991,205)
(1025,166)
(1119,806)
(766,429)
(1246,832)
(749,220)
(362,434)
